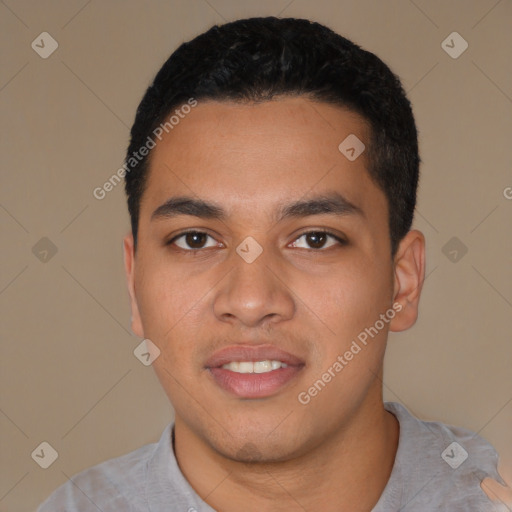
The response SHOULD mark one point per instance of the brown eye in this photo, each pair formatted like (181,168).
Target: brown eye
(191,240)
(318,240)
(195,240)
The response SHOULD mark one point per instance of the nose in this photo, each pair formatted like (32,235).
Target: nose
(254,294)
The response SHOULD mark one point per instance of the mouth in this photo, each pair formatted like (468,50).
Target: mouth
(254,367)
(253,371)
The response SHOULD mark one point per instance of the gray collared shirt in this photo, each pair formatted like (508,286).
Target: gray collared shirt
(437,467)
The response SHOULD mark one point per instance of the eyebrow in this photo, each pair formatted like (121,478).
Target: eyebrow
(332,203)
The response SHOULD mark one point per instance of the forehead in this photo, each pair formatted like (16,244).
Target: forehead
(257,153)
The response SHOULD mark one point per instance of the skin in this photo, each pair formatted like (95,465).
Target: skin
(337,452)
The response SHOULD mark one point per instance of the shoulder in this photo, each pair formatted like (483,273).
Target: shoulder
(116,484)
(439,465)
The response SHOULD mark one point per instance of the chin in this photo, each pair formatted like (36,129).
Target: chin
(252,446)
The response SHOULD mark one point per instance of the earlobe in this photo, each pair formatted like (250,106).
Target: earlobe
(409,274)
(129,265)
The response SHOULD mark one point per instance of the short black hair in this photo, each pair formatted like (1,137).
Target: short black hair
(257,59)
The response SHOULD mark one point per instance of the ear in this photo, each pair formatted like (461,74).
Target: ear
(129,265)
(409,274)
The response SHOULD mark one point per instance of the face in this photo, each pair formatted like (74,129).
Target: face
(286,263)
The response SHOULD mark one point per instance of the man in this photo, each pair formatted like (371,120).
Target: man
(271,180)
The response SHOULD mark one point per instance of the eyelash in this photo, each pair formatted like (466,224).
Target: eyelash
(340,240)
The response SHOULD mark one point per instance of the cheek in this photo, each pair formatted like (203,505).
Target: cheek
(349,298)
(167,303)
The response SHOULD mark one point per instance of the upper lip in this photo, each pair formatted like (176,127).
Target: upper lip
(252,353)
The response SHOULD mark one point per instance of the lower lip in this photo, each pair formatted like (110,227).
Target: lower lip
(254,385)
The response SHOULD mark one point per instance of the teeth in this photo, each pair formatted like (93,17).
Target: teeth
(257,367)
(262,366)
(244,367)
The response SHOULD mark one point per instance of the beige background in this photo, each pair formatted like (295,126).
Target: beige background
(68,373)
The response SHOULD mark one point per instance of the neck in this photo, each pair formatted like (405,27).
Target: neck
(348,471)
